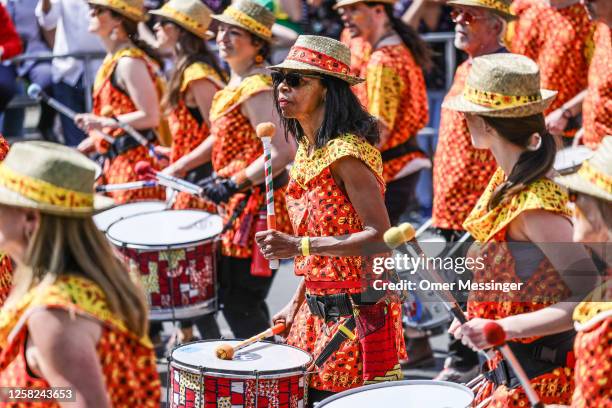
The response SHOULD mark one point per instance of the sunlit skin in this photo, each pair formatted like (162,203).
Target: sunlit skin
(360,20)
(167,34)
(479,35)
(305,101)
(16,226)
(589,225)
(236,46)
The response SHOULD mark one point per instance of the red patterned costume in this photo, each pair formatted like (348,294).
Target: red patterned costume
(317,208)
(127,362)
(110,101)
(490,228)
(460,172)
(236,147)
(188,133)
(6,268)
(558,41)
(597,107)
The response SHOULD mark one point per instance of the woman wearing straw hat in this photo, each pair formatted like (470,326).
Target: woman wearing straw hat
(243,39)
(74,318)
(336,204)
(127,89)
(520,214)
(591,190)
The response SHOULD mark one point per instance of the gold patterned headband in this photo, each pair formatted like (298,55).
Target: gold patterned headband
(497,100)
(596,177)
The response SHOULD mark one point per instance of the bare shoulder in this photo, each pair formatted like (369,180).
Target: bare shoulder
(542,226)
(57,329)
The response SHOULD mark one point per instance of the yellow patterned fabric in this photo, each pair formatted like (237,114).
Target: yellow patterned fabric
(306,168)
(542,194)
(200,70)
(595,307)
(385,88)
(497,100)
(44,192)
(248,21)
(228,98)
(596,177)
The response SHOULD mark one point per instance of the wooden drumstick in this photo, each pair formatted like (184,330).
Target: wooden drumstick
(265,131)
(226,351)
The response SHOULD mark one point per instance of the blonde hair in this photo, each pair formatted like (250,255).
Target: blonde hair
(74,246)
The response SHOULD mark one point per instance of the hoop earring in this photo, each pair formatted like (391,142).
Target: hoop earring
(259,59)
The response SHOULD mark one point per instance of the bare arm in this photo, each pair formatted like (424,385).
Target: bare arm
(414,14)
(203,92)
(64,350)
(134,76)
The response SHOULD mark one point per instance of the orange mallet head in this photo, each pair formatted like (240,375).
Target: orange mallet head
(226,351)
(265,129)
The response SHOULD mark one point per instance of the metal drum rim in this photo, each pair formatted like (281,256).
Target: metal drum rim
(131,204)
(224,373)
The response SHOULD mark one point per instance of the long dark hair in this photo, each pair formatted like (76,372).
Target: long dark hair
(190,49)
(131,29)
(531,165)
(343,114)
(412,40)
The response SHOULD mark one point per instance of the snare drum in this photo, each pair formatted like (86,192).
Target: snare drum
(173,252)
(568,160)
(412,393)
(263,375)
(106,218)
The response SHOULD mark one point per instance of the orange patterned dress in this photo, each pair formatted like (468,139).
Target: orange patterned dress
(558,40)
(110,101)
(460,172)
(127,362)
(360,55)
(395,94)
(188,133)
(6,268)
(597,107)
(317,208)
(490,228)
(593,351)
(236,146)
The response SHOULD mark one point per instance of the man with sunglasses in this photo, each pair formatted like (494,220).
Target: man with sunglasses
(461,172)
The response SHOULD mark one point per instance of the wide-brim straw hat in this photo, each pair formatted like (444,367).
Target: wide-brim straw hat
(192,15)
(502,85)
(594,177)
(250,16)
(323,55)
(51,178)
(132,9)
(499,7)
(344,3)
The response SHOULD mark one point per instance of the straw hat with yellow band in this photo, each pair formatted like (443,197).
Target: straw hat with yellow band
(192,15)
(502,85)
(499,7)
(344,3)
(132,9)
(51,178)
(594,177)
(250,16)
(314,54)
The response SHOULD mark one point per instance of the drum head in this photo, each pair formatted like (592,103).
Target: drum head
(569,159)
(165,229)
(265,358)
(413,393)
(107,218)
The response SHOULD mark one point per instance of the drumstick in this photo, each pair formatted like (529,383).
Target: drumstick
(145,170)
(105,188)
(265,131)
(226,351)
(496,336)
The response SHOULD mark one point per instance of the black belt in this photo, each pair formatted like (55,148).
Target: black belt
(402,149)
(537,358)
(124,143)
(330,307)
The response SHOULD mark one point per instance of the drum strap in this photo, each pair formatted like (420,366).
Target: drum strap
(402,149)
(345,331)
(538,358)
(124,143)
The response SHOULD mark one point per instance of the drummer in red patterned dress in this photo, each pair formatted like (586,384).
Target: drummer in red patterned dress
(591,190)
(127,89)
(74,318)
(394,92)
(335,201)
(520,214)
(237,159)
(6,267)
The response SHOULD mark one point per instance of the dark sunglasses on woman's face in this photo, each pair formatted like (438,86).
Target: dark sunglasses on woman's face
(291,79)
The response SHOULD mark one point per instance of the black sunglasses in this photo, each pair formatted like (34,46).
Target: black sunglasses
(292,79)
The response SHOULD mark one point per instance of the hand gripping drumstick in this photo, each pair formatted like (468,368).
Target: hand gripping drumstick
(226,351)
(496,336)
(265,131)
(144,169)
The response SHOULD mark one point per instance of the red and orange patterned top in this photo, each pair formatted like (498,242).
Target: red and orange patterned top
(395,94)
(360,55)
(489,228)
(561,54)
(460,172)
(110,101)
(317,208)
(127,362)
(597,107)
(188,133)
(236,146)
(6,268)
(593,321)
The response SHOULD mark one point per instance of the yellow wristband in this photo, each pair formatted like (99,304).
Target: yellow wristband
(305,246)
